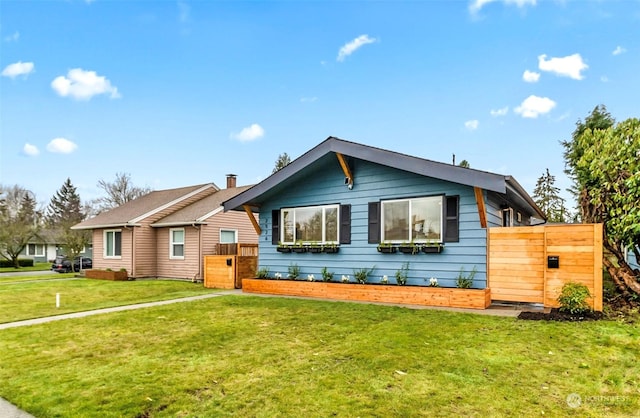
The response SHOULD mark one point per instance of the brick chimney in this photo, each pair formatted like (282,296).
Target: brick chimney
(231,181)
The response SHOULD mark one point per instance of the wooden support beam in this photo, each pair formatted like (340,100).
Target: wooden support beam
(482,210)
(345,169)
(256,226)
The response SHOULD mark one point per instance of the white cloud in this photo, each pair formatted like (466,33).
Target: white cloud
(83,85)
(13,37)
(569,66)
(604,79)
(533,106)
(250,133)
(184,12)
(531,76)
(351,47)
(18,68)
(30,150)
(61,146)
(619,50)
(500,112)
(308,99)
(476,5)
(471,125)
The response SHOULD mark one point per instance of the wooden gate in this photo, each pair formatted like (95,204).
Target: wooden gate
(234,262)
(531,264)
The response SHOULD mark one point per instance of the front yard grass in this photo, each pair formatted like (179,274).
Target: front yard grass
(265,357)
(21,301)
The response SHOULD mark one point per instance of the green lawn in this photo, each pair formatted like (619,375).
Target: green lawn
(37,299)
(264,357)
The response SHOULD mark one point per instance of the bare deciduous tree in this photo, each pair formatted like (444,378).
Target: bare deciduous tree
(119,192)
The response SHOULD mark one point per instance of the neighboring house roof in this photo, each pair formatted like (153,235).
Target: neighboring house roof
(476,178)
(198,212)
(45,236)
(134,211)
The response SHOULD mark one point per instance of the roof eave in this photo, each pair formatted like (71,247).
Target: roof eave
(105,226)
(470,177)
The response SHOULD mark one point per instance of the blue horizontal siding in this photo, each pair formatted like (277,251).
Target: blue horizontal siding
(323,183)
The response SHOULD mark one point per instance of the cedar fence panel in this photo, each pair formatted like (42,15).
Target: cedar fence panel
(233,263)
(517,262)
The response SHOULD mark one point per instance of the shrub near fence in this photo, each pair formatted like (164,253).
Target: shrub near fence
(22,262)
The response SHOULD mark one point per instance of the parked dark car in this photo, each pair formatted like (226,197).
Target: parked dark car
(63,265)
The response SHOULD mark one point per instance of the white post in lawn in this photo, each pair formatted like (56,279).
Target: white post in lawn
(57,300)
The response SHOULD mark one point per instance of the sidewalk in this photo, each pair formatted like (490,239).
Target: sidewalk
(113,309)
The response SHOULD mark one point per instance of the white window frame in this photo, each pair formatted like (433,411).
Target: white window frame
(173,243)
(410,229)
(235,235)
(113,250)
(324,224)
(36,247)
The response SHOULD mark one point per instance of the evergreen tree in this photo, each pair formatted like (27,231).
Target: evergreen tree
(282,161)
(547,197)
(599,118)
(602,159)
(64,211)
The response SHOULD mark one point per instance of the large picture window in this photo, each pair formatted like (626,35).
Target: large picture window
(176,243)
(112,243)
(36,250)
(310,224)
(418,219)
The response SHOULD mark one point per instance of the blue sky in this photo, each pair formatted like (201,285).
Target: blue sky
(182,93)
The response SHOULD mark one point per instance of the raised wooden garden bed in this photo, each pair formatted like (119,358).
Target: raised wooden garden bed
(408,295)
(106,275)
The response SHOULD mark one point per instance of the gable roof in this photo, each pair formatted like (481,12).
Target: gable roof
(198,212)
(134,211)
(467,176)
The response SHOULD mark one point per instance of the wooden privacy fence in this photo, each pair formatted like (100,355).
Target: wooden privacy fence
(531,264)
(233,262)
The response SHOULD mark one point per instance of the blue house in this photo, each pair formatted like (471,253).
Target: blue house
(354,197)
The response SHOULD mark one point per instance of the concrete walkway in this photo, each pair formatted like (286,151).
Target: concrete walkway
(113,309)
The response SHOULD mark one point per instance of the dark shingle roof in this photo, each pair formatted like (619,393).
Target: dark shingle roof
(476,178)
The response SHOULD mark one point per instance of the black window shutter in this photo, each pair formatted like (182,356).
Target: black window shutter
(345,224)
(275,227)
(451,226)
(374,222)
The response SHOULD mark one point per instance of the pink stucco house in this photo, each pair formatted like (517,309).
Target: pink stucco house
(166,233)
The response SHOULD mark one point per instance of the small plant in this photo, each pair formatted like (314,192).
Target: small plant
(123,269)
(294,271)
(327,275)
(278,276)
(345,279)
(402,274)
(433,282)
(384,280)
(108,269)
(362,274)
(573,298)
(262,273)
(311,278)
(463,281)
